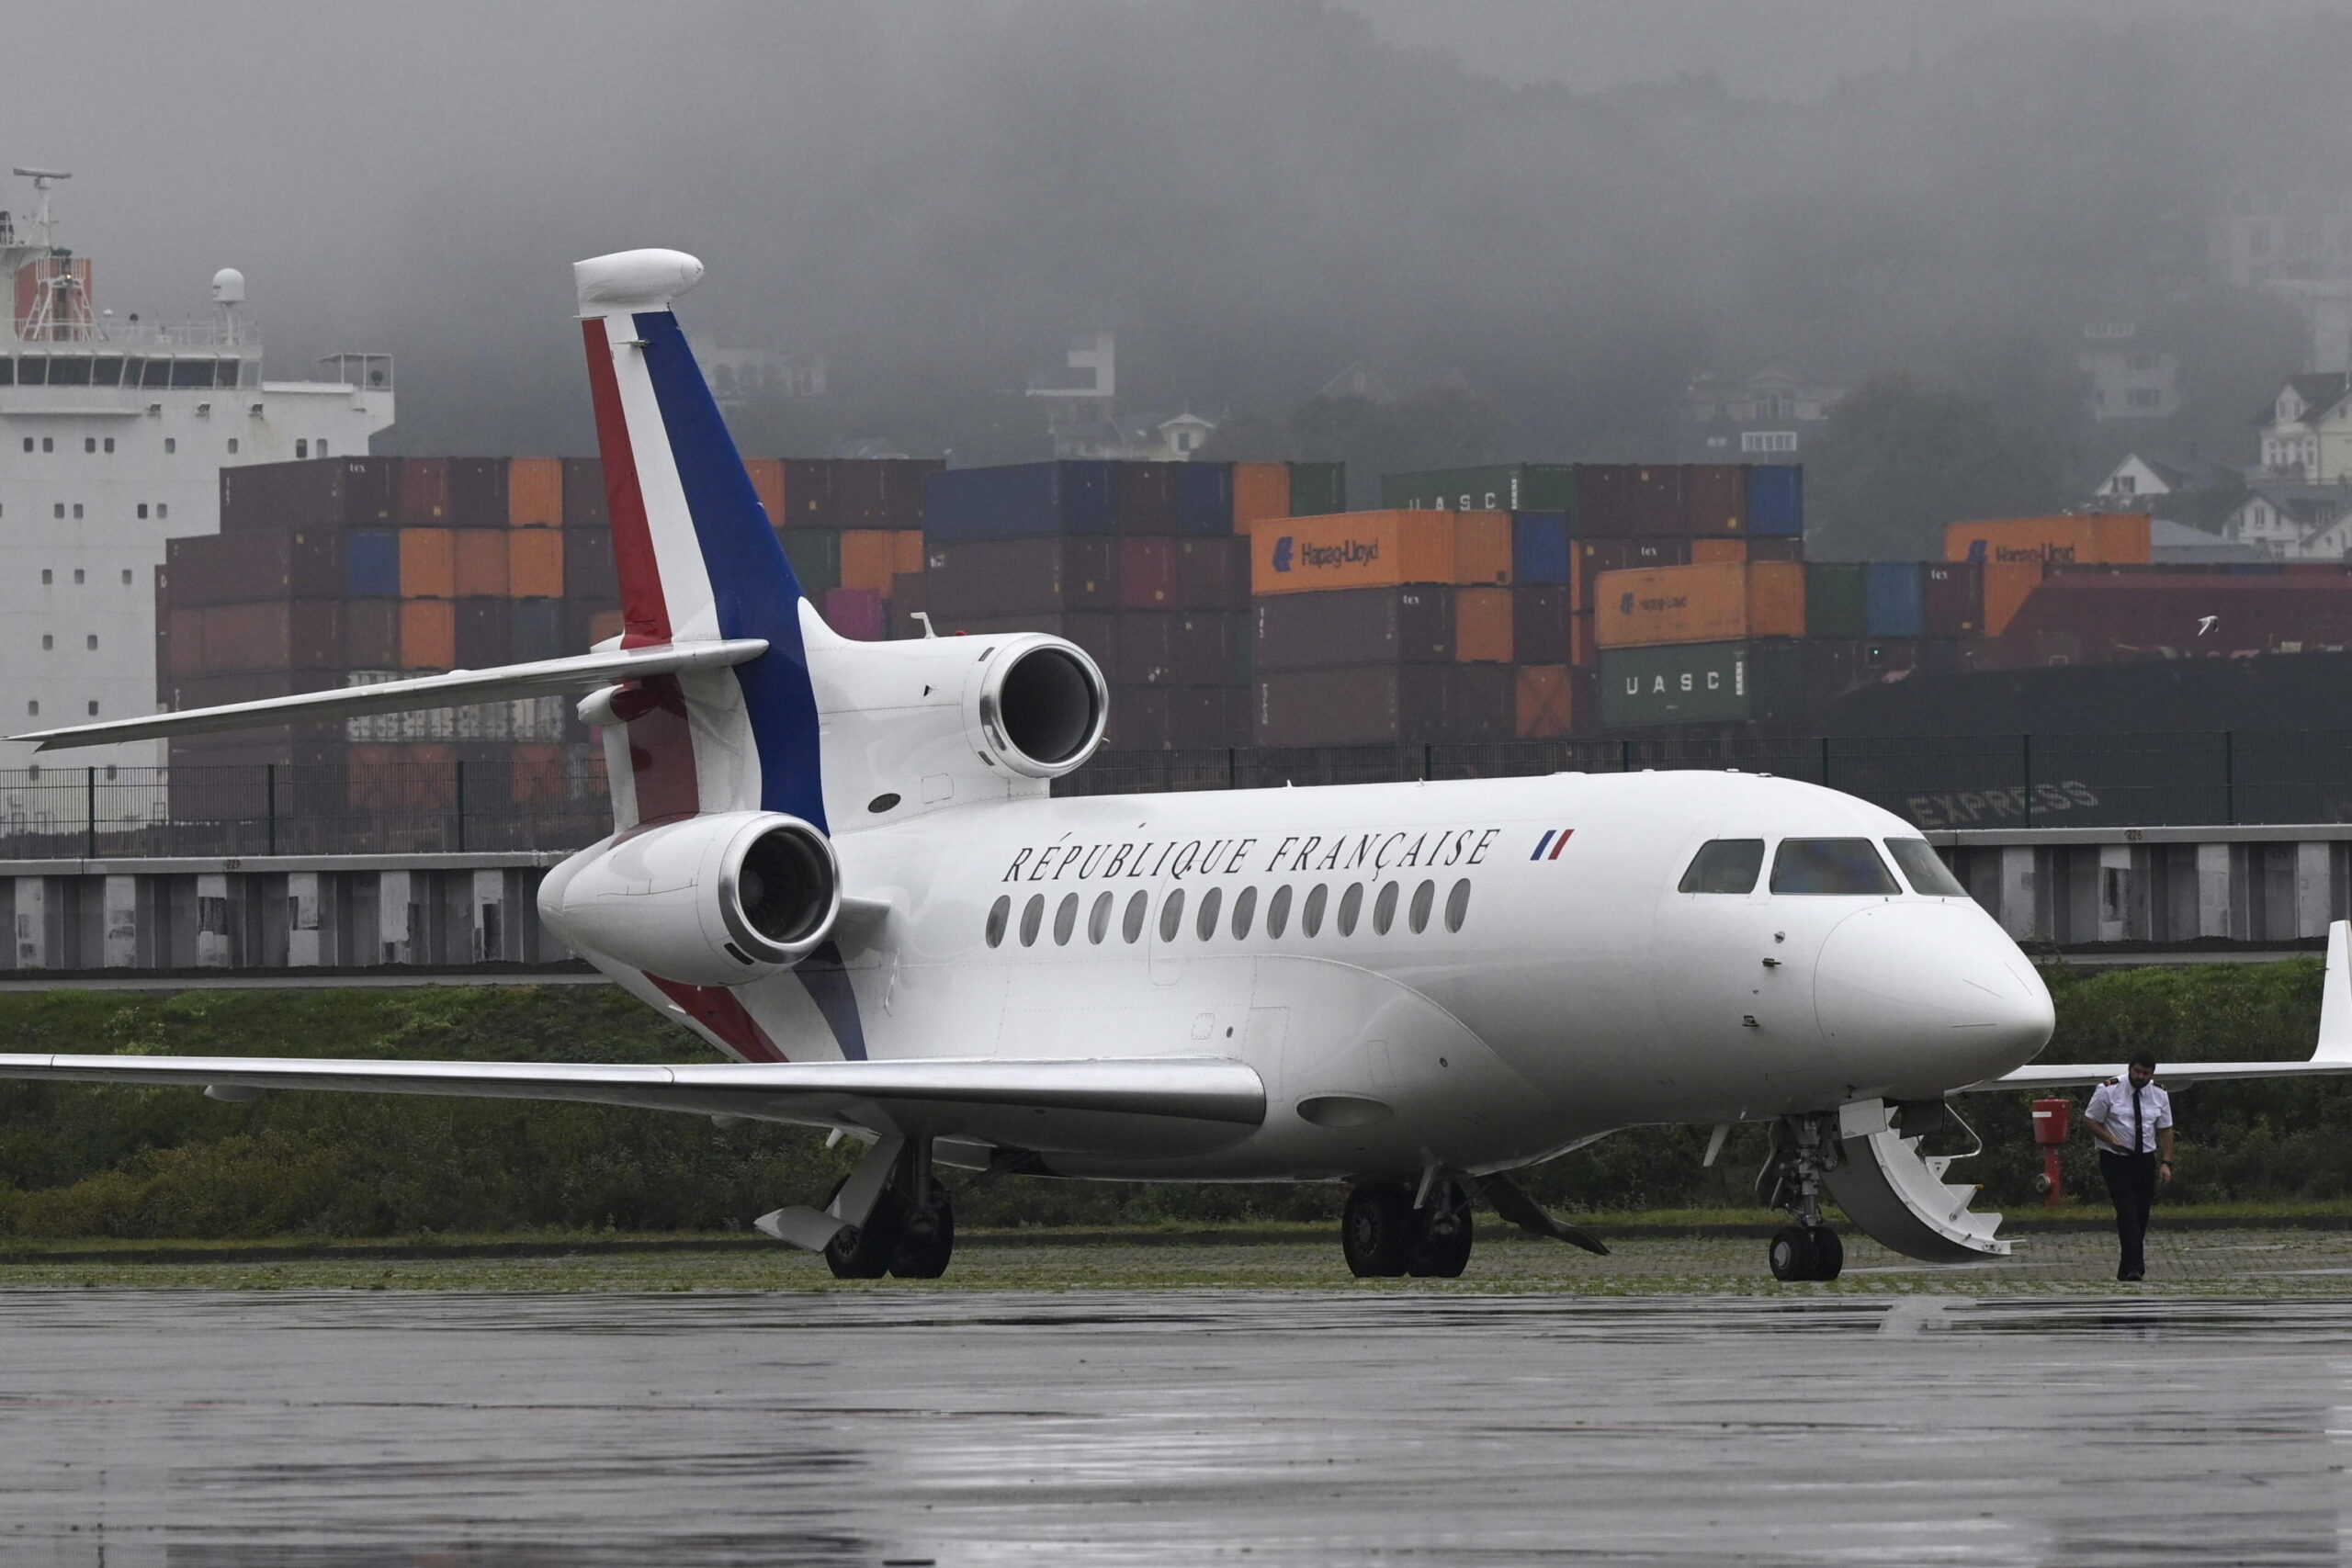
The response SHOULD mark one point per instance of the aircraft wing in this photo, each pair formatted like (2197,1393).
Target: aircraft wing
(577,672)
(1102,1104)
(2332,1054)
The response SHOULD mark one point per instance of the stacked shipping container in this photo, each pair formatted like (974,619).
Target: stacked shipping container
(1140,564)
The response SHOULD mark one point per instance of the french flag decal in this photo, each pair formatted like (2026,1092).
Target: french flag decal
(1554,839)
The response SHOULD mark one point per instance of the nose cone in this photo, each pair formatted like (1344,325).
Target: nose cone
(1924,998)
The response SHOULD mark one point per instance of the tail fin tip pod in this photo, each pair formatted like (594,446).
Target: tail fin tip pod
(633,280)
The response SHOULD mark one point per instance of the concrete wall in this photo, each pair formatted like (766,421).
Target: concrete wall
(2073,886)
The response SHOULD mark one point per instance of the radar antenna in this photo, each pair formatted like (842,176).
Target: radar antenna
(42,179)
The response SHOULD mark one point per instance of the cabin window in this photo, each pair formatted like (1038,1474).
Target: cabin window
(1384,910)
(1098,923)
(1066,920)
(1171,915)
(1424,897)
(1131,927)
(1350,907)
(126,576)
(89,444)
(1278,911)
(1725,865)
(1457,905)
(1925,869)
(1205,927)
(1310,919)
(48,641)
(232,446)
(1032,915)
(110,444)
(1832,867)
(171,445)
(142,511)
(1245,909)
(999,913)
(302,449)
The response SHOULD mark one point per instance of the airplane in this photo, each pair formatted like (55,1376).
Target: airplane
(841,864)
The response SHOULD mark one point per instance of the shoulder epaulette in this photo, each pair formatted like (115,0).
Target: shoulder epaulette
(2110,1083)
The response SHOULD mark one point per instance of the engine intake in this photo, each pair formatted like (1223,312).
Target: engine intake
(1043,705)
(713,901)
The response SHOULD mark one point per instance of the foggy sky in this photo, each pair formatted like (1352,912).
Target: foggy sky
(1574,202)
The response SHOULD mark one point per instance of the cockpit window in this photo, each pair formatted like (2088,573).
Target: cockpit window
(1925,870)
(1830,866)
(1725,865)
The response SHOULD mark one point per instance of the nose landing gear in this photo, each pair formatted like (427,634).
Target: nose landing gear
(1802,1149)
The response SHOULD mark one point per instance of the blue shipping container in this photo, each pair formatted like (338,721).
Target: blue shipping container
(536,630)
(1892,604)
(1539,546)
(1204,498)
(1775,500)
(371,564)
(1020,501)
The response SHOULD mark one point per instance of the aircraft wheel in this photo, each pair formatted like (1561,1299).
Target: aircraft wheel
(1441,1234)
(926,1239)
(863,1252)
(1793,1253)
(1828,1254)
(1376,1233)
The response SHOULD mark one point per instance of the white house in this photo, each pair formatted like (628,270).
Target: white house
(2307,431)
(2290,521)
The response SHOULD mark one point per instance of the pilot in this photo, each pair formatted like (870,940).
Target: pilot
(2132,1119)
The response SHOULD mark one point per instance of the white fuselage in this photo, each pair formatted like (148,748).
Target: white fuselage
(1509,1002)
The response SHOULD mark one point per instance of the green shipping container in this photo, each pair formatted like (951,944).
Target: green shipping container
(1833,599)
(1493,487)
(1318,490)
(816,557)
(1708,683)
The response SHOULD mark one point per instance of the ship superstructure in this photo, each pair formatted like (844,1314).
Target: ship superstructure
(113,432)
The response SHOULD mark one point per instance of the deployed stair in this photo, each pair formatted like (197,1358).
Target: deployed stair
(1898,1196)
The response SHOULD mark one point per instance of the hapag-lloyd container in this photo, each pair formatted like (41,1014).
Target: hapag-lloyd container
(1352,549)
(1700,683)
(2007,588)
(1590,558)
(2114,539)
(1722,602)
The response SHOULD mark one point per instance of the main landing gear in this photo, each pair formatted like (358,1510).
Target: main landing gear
(1802,1150)
(1391,1229)
(910,1233)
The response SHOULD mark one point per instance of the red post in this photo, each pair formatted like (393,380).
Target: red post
(2049,1127)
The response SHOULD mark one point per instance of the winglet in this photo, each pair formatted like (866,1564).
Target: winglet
(2335,998)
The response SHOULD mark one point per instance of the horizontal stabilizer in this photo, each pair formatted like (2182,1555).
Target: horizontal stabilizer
(456,689)
(1091,1104)
(2332,1054)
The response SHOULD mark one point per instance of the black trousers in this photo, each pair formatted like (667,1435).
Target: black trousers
(2131,1185)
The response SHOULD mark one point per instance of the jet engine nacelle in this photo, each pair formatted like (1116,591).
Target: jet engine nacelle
(1038,707)
(713,900)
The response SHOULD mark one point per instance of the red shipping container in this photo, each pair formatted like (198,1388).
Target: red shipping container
(1212,573)
(1952,598)
(583,494)
(1773,549)
(1656,504)
(477,492)
(1540,623)
(479,559)
(281,497)
(1147,573)
(1714,500)
(1143,498)
(230,568)
(424,492)
(1145,650)
(1003,577)
(485,637)
(1096,632)
(808,493)
(1201,718)
(1138,719)
(371,634)
(1605,499)
(857,614)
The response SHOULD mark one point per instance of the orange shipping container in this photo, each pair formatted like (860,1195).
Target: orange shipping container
(869,555)
(906,551)
(428,634)
(2092,538)
(1545,703)
(402,775)
(537,773)
(1482,548)
(767,480)
(1482,625)
(2007,588)
(1259,491)
(1776,598)
(480,559)
(1716,552)
(1670,604)
(1353,550)
(534,492)
(428,563)
(535,564)
(1584,653)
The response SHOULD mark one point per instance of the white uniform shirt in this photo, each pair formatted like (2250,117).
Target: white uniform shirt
(2112,1105)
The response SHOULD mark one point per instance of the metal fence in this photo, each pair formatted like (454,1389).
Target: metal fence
(2014,780)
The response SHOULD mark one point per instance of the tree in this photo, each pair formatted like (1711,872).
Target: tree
(1899,460)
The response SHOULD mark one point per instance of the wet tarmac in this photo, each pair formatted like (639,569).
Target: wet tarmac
(342,1430)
